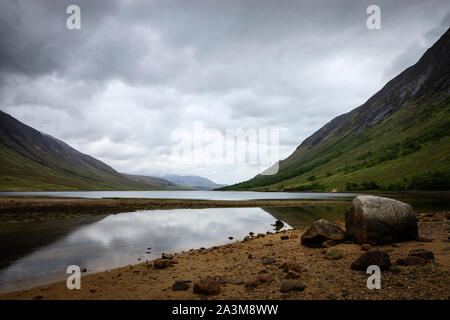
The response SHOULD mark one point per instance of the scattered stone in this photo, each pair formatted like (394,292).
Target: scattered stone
(372,257)
(290,265)
(334,254)
(285,237)
(252,284)
(366,247)
(411,261)
(291,274)
(207,287)
(267,260)
(279,224)
(230,238)
(180,286)
(264,277)
(321,231)
(380,220)
(161,263)
(423,253)
(289,286)
(250,256)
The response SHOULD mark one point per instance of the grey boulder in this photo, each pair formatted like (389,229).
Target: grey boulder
(378,220)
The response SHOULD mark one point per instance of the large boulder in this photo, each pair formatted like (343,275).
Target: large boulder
(321,231)
(380,220)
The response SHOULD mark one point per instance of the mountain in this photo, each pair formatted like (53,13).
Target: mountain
(154,181)
(32,161)
(397,140)
(193,182)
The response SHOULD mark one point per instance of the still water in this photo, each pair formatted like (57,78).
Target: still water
(201,195)
(106,242)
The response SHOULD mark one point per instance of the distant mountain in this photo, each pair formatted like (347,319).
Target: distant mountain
(32,161)
(397,140)
(154,181)
(193,182)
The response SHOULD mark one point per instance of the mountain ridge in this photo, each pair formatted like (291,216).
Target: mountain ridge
(378,133)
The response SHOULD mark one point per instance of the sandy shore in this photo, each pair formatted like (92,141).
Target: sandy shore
(237,263)
(44,208)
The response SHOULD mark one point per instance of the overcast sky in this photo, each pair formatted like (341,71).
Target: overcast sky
(138,71)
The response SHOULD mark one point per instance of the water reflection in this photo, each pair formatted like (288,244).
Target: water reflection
(122,239)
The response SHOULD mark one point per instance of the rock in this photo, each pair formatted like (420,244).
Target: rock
(252,284)
(83,270)
(263,271)
(423,239)
(372,257)
(422,253)
(207,287)
(161,263)
(250,256)
(251,234)
(264,277)
(279,224)
(285,237)
(291,274)
(237,282)
(39,297)
(411,261)
(289,286)
(267,260)
(166,256)
(328,244)
(334,254)
(290,265)
(246,238)
(260,235)
(180,286)
(321,231)
(230,238)
(366,247)
(380,220)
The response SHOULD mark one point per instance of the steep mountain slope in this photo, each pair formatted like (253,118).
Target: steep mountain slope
(193,182)
(397,140)
(31,160)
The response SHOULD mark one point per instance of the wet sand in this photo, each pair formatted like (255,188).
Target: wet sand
(237,263)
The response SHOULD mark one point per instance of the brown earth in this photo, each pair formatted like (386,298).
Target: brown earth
(235,264)
(44,208)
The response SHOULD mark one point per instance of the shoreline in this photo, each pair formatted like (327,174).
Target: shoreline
(38,208)
(234,265)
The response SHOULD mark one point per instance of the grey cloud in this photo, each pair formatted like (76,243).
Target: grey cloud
(139,70)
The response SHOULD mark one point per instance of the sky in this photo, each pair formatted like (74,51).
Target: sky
(135,81)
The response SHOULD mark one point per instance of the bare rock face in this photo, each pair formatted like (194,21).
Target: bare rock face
(321,231)
(380,220)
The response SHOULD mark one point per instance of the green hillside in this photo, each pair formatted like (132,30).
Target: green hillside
(33,161)
(398,140)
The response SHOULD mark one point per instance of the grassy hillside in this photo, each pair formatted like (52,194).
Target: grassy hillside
(398,140)
(33,161)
